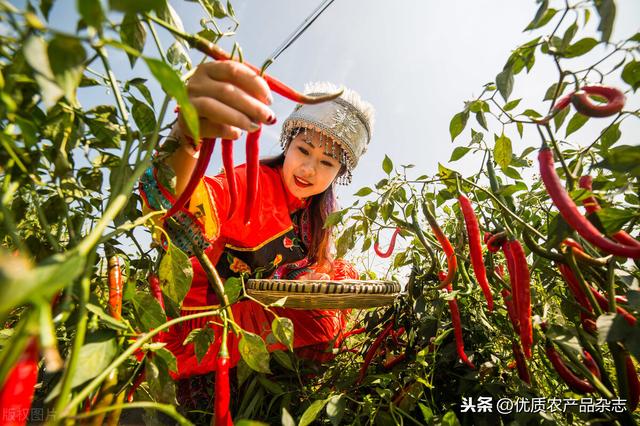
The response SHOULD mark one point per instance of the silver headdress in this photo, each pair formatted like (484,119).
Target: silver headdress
(346,121)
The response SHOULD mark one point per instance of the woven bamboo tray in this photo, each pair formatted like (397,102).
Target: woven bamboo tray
(325,294)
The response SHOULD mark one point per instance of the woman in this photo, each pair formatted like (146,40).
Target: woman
(285,237)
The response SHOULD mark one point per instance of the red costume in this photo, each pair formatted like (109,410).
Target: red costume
(273,245)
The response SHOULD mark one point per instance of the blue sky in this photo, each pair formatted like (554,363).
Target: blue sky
(416,61)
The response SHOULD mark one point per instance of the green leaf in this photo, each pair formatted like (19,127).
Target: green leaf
(109,321)
(161,385)
(175,274)
(610,136)
(363,192)
(20,283)
(387,165)
(254,352)
(458,123)
(631,74)
(576,122)
(177,55)
(282,328)
(614,219)
(141,85)
(450,419)
(334,218)
(202,339)
(559,118)
(459,152)
(283,359)
(143,116)
(173,86)
(607,11)
(512,189)
(91,12)
(67,57)
(520,128)
(569,34)
(623,159)
(335,408)
(503,151)
(531,113)
(481,119)
(511,104)
(233,288)
(138,6)
(504,81)
(512,173)
(133,34)
(580,47)
(286,419)
(611,328)
(35,53)
(94,357)
(148,311)
(551,91)
(312,412)
(543,16)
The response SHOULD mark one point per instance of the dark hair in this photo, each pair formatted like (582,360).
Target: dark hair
(320,207)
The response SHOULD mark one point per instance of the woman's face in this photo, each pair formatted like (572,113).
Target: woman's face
(307,170)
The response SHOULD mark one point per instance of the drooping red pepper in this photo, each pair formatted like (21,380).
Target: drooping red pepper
(115,287)
(591,205)
(391,362)
(457,329)
(604,304)
(575,288)
(495,242)
(570,212)
(574,382)
(253,172)
(582,102)
(580,254)
(372,351)
(513,278)
(16,394)
(223,390)
(227,162)
(521,363)
(475,248)
(633,384)
(134,386)
(199,170)
(524,296)
(511,310)
(590,363)
(392,245)
(561,104)
(156,289)
(452,261)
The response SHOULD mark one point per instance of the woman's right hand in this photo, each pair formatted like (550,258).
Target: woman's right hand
(229,97)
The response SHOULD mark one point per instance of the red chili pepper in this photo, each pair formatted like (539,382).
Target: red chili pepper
(633,383)
(574,382)
(475,248)
(604,304)
(521,363)
(572,215)
(561,104)
(457,329)
(388,364)
(227,161)
(588,323)
(575,288)
(217,53)
(583,104)
(156,289)
(496,241)
(513,278)
(524,296)
(115,287)
(253,172)
(135,385)
(198,172)
(392,245)
(223,390)
(511,310)
(452,261)
(486,236)
(591,205)
(372,351)
(16,394)
(591,364)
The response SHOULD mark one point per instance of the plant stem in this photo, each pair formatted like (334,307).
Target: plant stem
(167,409)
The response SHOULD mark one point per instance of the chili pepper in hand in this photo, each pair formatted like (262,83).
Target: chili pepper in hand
(524,296)
(521,363)
(574,382)
(223,390)
(583,104)
(115,287)
(452,261)
(570,212)
(198,172)
(475,248)
(591,205)
(217,53)
(372,351)
(392,245)
(253,172)
(633,384)
(227,161)
(457,329)
(16,394)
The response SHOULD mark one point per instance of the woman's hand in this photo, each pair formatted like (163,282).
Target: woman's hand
(229,98)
